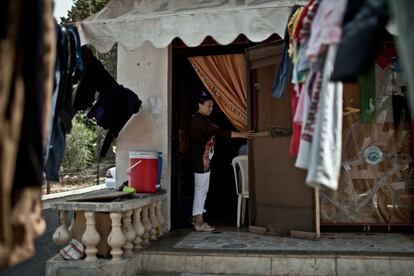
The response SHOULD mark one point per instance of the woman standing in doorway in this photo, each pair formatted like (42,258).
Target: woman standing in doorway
(202,138)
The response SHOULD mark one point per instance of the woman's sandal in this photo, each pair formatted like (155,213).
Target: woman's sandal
(203,227)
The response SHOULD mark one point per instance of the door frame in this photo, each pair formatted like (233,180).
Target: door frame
(208,47)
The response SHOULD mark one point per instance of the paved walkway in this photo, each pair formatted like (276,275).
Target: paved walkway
(348,243)
(231,240)
(231,252)
(177,274)
(44,249)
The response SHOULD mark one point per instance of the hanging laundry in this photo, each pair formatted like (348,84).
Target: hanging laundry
(308,73)
(115,103)
(300,72)
(292,25)
(325,154)
(302,67)
(326,27)
(361,40)
(27,52)
(301,64)
(67,66)
(311,105)
(320,107)
(305,31)
(367,96)
(283,74)
(285,66)
(76,49)
(295,139)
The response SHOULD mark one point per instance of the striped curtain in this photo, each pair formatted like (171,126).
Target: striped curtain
(225,78)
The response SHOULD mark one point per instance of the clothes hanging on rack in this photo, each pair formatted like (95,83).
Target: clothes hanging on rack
(68,68)
(315,30)
(285,67)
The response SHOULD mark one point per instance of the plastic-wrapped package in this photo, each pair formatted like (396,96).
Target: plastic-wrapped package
(376,184)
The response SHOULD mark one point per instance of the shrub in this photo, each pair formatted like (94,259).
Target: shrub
(79,147)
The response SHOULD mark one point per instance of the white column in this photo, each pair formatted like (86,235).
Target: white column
(138,227)
(61,235)
(153,221)
(128,232)
(116,238)
(146,223)
(160,218)
(91,237)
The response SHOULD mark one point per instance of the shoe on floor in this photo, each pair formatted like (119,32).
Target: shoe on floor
(203,227)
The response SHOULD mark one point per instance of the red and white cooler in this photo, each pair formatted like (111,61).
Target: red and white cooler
(143,171)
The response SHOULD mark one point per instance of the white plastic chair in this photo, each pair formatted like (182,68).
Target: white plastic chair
(241,177)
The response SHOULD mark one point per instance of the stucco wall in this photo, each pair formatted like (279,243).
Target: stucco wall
(145,71)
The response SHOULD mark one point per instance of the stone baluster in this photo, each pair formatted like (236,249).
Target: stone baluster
(61,235)
(160,218)
(91,237)
(147,224)
(128,232)
(116,238)
(153,221)
(138,227)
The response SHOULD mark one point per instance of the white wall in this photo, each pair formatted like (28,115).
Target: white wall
(145,71)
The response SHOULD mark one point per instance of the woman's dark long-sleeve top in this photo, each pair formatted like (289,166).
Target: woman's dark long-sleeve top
(202,134)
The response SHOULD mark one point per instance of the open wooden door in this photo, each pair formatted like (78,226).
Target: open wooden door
(279,199)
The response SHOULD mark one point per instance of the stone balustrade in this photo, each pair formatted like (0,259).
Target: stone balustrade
(134,221)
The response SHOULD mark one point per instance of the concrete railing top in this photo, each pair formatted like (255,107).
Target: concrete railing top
(107,201)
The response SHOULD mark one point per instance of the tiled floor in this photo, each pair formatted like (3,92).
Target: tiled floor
(176,274)
(332,243)
(231,251)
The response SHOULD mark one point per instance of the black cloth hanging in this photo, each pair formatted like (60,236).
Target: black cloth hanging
(115,103)
(363,32)
(29,163)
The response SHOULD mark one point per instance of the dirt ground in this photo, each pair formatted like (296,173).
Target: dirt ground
(74,180)
(57,187)
(68,183)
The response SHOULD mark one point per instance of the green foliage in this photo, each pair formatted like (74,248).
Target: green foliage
(79,147)
(90,124)
(99,135)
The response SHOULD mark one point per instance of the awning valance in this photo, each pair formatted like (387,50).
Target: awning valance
(131,22)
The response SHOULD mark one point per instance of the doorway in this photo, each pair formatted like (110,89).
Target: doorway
(221,203)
